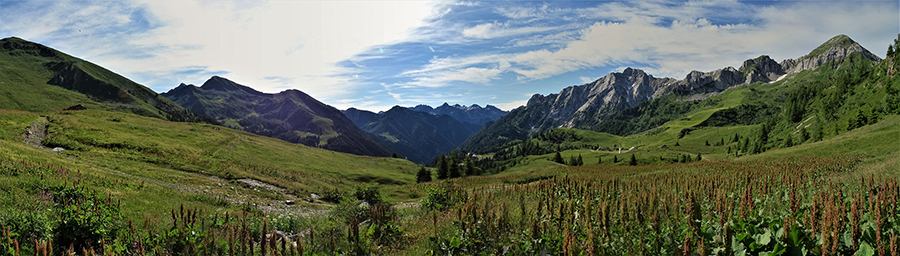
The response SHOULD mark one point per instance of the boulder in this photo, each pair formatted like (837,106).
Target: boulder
(76,107)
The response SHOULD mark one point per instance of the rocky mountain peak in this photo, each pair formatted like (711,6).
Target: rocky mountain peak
(837,48)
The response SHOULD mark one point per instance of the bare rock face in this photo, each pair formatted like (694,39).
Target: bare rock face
(716,81)
(762,69)
(575,105)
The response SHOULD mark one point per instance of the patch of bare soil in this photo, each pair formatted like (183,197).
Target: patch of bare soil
(36,133)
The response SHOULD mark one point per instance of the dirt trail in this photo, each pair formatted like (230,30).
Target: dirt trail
(36,133)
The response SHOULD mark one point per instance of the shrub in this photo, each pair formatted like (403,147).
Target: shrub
(332,195)
(85,219)
(443,197)
(369,194)
(27,225)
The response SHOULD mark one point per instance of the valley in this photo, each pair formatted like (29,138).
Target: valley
(791,158)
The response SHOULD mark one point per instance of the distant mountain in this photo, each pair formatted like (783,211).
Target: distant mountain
(34,77)
(586,106)
(473,114)
(290,115)
(417,135)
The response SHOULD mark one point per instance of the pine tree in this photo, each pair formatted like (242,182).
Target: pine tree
(470,167)
(423,175)
(707,143)
(699,157)
(817,132)
(788,142)
(615,159)
(580,160)
(443,169)
(573,161)
(676,143)
(599,159)
(633,160)
(729,150)
(804,135)
(454,168)
(558,158)
(745,144)
(736,138)
(721,142)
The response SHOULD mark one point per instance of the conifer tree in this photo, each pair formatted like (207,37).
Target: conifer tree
(615,159)
(558,158)
(423,175)
(573,161)
(736,139)
(599,159)
(633,160)
(580,160)
(454,167)
(707,143)
(443,169)
(699,157)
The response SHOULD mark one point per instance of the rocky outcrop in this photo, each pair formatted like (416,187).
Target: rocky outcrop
(761,69)
(716,81)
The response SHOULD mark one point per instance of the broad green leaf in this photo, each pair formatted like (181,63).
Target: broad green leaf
(738,248)
(455,242)
(765,238)
(865,250)
(847,240)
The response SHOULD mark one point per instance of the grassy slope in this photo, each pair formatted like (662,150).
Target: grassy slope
(24,77)
(880,143)
(28,68)
(173,162)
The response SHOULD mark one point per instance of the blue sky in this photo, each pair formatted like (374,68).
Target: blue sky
(376,54)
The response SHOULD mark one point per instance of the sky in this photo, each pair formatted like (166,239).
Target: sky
(373,55)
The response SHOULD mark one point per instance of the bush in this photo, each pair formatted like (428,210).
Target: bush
(27,225)
(443,197)
(85,219)
(332,195)
(348,209)
(369,194)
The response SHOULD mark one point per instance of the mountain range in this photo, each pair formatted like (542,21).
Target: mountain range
(418,135)
(290,115)
(587,106)
(473,114)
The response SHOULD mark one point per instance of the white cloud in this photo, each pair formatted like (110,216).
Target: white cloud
(495,30)
(585,79)
(686,44)
(511,105)
(552,40)
(299,40)
(521,12)
(471,75)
